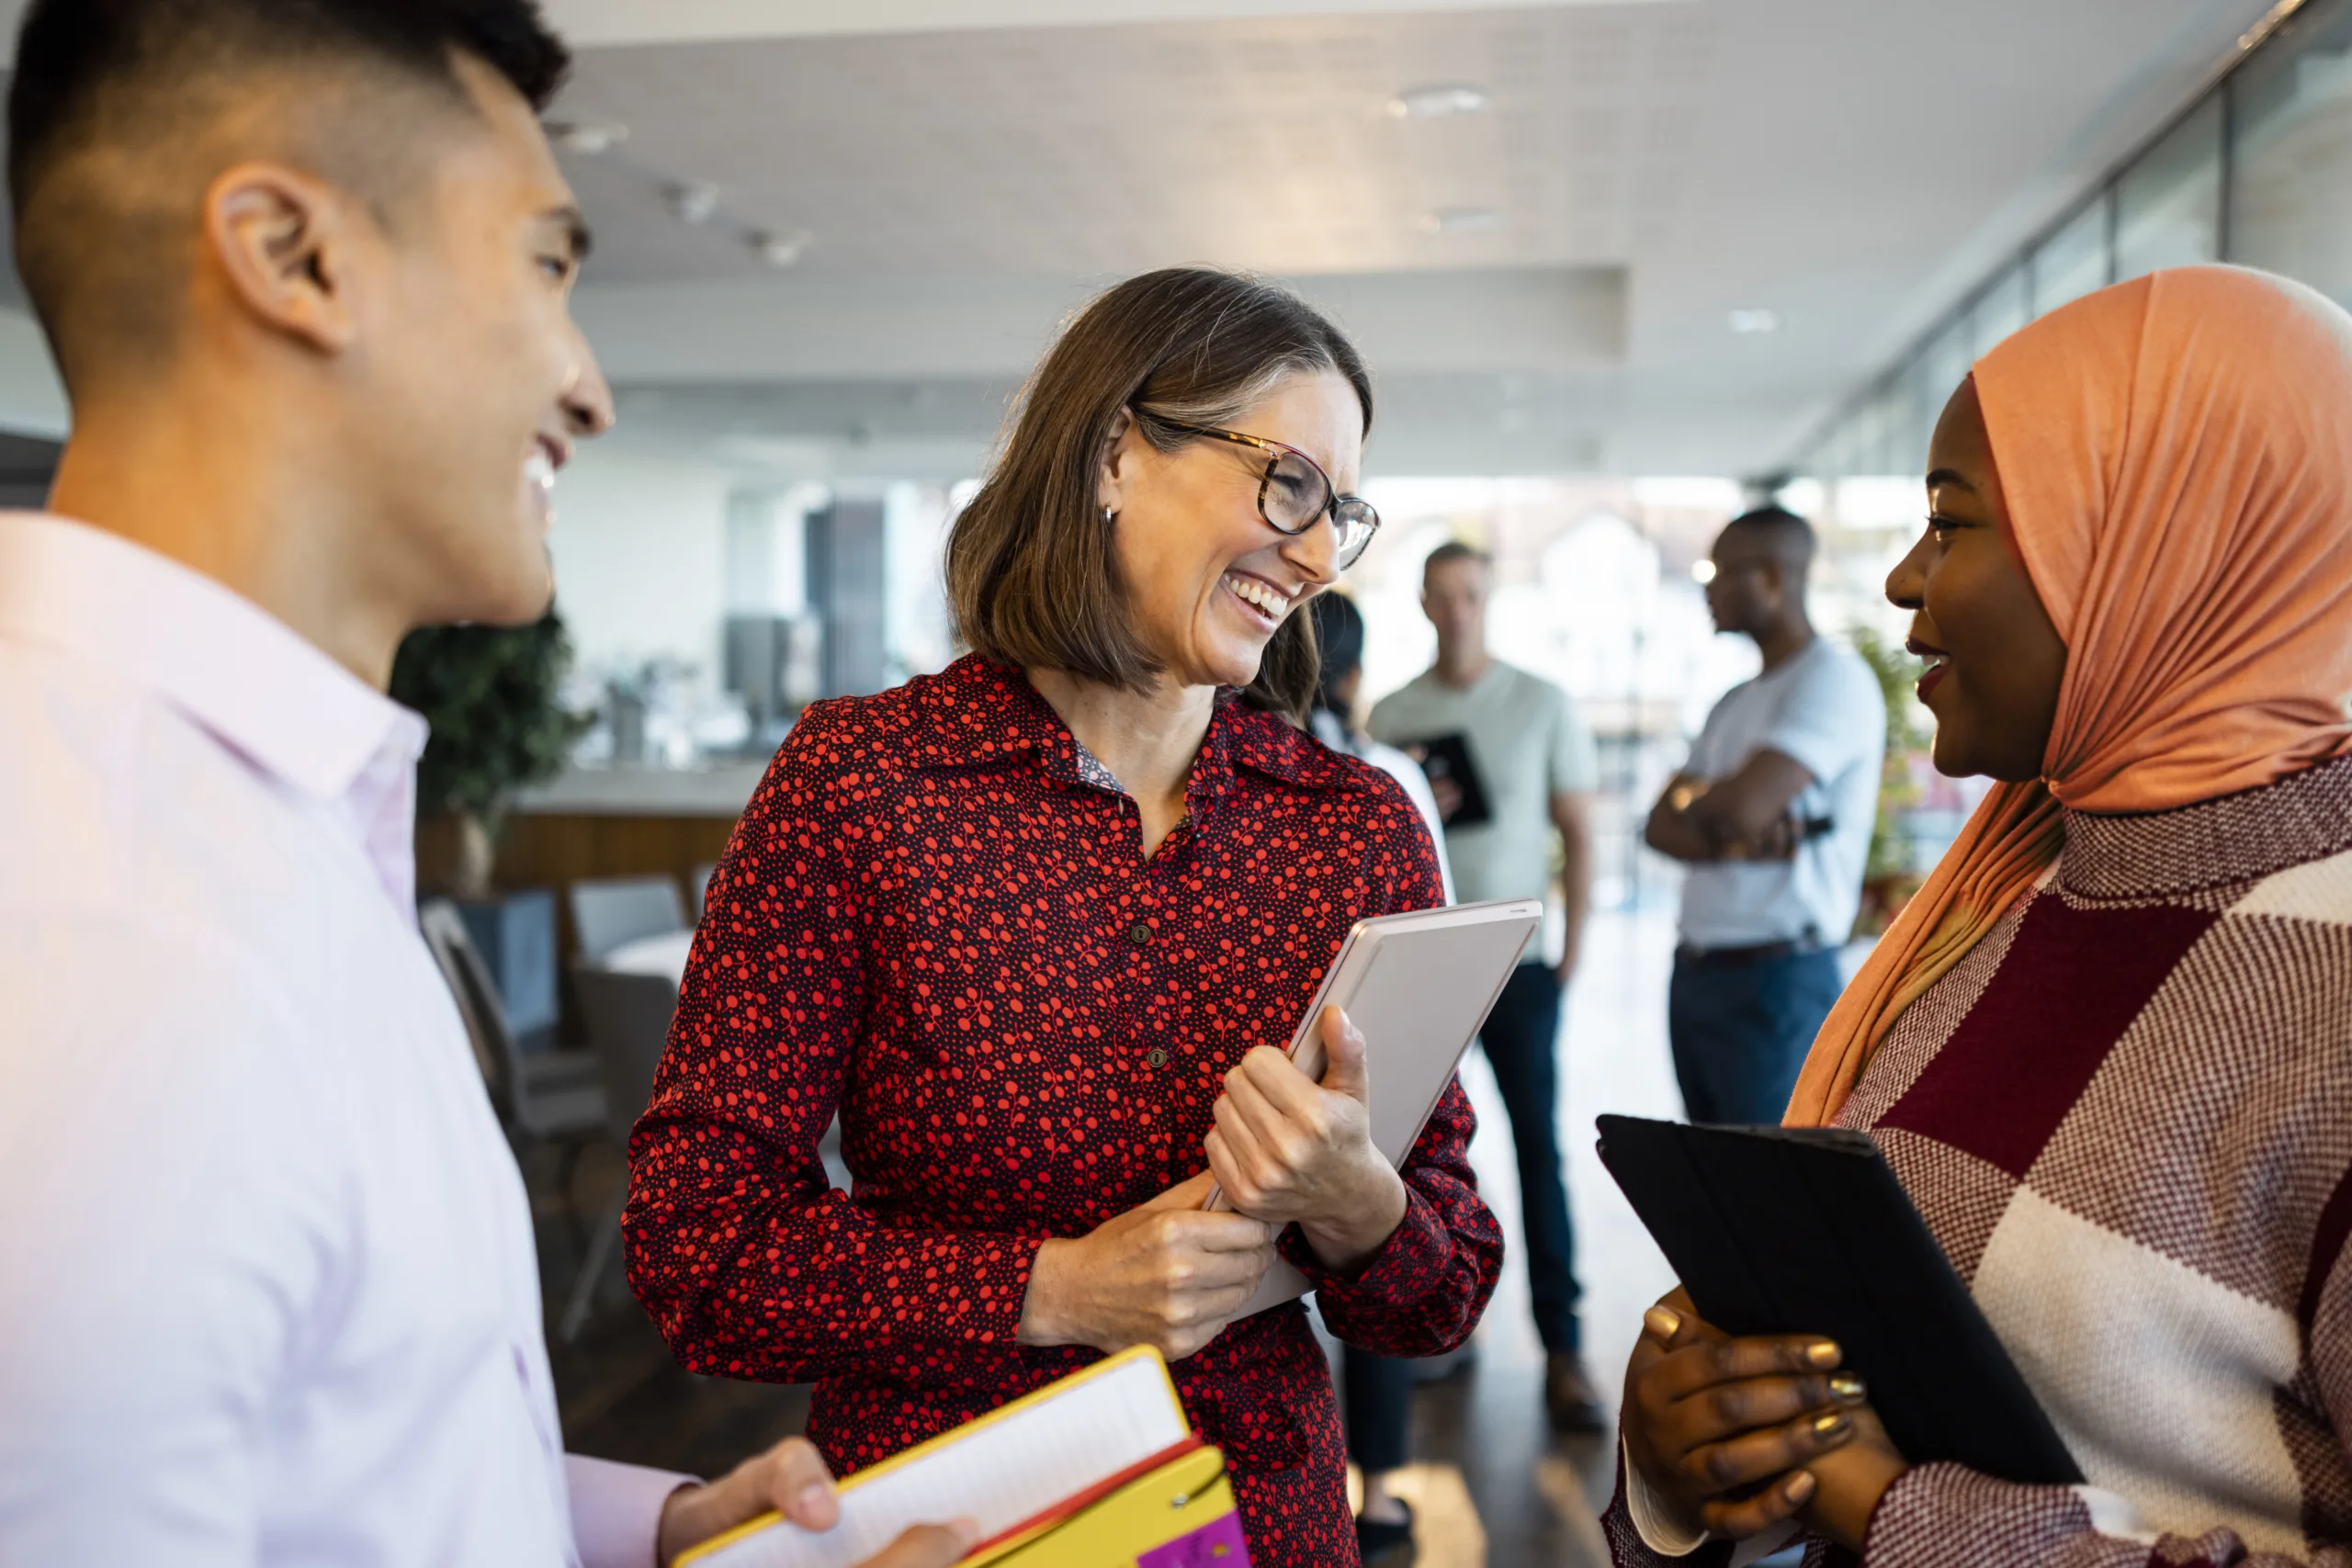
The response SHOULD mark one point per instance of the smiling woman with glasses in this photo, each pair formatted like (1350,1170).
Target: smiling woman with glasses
(1035,930)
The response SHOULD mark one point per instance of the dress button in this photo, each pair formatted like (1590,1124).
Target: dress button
(1158,1058)
(1139,933)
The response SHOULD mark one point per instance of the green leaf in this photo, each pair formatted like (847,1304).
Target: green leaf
(491,695)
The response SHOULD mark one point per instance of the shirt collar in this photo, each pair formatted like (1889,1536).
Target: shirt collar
(245,676)
(979,711)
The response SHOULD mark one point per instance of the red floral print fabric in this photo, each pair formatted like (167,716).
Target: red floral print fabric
(931,922)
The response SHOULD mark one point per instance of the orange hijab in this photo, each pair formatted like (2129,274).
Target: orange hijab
(2177,452)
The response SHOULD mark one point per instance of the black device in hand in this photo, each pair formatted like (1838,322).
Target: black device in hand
(1782,1230)
(1447,758)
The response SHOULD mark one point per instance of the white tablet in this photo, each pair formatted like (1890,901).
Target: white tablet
(1419,986)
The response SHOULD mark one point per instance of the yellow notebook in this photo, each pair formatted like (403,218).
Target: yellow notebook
(1100,1470)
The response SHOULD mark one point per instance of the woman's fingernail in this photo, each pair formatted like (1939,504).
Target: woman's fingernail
(1798,1487)
(1824,1353)
(813,1496)
(1830,1424)
(1849,1387)
(1664,1322)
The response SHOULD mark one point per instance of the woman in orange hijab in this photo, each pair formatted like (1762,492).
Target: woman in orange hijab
(2107,1050)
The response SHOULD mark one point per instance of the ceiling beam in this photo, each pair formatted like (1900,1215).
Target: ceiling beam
(614,22)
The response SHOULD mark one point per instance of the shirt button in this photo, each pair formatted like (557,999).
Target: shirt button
(1158,1058)
(1139,933)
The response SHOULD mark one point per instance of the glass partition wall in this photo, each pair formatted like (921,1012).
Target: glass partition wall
(2257,171)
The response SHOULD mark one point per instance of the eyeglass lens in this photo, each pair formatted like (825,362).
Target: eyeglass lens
(1296,496)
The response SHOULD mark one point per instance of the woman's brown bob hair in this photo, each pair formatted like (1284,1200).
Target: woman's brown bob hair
(1030,571)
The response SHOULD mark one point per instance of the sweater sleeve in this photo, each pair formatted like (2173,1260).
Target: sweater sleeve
(1942,1516)
(1424,1291)
(1636,1541)
(751,1262)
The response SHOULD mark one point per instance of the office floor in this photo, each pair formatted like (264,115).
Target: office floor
(1493,1488)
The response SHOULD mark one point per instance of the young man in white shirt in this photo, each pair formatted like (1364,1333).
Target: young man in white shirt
(1773,814)
(270,1294)
(1529,770)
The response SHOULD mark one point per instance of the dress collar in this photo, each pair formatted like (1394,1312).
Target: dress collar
(242,674)
(977,711)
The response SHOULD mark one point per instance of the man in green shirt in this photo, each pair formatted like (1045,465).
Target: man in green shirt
(1513,765)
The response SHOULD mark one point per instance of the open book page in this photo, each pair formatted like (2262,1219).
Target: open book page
(1001,1471)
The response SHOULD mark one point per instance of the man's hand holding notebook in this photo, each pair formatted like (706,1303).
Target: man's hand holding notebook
(790,1481)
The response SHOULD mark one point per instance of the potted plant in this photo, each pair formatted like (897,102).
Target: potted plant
(1889,877)
(491,695)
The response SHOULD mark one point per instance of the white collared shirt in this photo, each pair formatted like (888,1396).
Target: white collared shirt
(267,1286)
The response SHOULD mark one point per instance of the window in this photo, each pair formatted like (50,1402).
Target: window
(2001,309)
(2168,205)
(2073,261)
(2294,160)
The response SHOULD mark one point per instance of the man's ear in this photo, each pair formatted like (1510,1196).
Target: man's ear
(286,245)
(1114,460)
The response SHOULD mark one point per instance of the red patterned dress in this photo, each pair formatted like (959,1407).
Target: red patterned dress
(935,918)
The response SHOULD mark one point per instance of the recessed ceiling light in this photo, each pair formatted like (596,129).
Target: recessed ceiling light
(1437,101)
(691,201)
(1461,220)
(784,249)
(585,138)
(1750,321)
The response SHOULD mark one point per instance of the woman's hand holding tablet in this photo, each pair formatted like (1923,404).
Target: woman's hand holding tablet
(1739,1436)
(1287,1149)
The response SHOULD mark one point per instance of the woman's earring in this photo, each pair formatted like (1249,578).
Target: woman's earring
(1110,515)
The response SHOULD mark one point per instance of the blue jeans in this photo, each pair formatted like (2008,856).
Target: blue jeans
(1740,1030)
(1522,1041)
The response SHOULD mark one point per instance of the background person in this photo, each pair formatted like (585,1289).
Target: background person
(2105,1048)
(270,1293)
(1375,1390)
(1535,771)
(1039,927)
(1773,813)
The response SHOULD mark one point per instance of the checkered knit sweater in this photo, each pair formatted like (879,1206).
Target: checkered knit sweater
(2127,1115)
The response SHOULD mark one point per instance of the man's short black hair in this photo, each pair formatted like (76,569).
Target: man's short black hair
(107,92)
(1790,536)
(72,53)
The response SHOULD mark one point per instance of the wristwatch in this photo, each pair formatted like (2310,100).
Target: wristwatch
(1679,798)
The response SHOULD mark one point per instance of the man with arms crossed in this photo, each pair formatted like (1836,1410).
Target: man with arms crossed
(1532,771)
(1773,814)
(270,1296)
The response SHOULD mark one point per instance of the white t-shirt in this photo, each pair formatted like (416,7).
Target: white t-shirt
(1824,709)
(1527,742)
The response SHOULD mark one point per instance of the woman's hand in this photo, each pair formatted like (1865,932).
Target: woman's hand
(1738,1434)
(1288,1150)
(791,1478)
(1169,1274)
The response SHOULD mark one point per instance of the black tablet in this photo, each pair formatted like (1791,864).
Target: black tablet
(1448,757)
(1806,1231)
